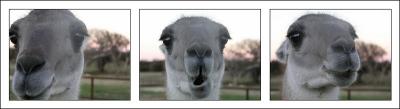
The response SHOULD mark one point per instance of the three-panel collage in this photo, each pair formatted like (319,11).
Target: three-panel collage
(152,56)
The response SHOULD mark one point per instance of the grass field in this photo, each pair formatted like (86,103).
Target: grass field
(106,89)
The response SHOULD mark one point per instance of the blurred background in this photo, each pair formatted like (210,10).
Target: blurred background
(107,55)
(242,54)
(373,28)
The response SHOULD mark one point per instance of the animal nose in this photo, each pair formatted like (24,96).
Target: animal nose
(344,46)
(199,51)
(29,64)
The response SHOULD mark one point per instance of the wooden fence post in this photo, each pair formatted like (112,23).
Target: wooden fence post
(91,88)
(348,94)
(247,94)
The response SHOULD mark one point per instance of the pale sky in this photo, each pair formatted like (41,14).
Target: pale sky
(372,26)
(241,24)
(112,20)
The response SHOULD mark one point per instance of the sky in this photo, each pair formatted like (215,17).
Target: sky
(372,26)
(241,24)
(112,20)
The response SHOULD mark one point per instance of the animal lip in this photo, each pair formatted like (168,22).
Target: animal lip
(40,95)
(344,74)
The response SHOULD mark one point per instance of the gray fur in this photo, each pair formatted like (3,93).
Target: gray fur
(193,58)
(323,60)
(50,58)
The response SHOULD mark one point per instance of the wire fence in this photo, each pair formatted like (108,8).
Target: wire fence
(92,85)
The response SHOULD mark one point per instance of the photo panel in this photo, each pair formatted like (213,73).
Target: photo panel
(200,54)
(69,54)
(330,54)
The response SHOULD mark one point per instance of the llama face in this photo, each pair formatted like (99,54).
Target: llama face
(194,48)
(320,42)
(50,46)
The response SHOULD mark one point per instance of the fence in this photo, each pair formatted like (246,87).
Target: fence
(92,84)
(349,90)
(245,89)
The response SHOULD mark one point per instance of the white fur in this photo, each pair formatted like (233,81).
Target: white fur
(307,84)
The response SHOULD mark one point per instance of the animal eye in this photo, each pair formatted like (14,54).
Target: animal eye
(167,42)
(295,38)
(14,38)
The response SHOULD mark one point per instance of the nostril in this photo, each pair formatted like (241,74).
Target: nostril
(29,64)
(199,51)
(208,53)
(191,52)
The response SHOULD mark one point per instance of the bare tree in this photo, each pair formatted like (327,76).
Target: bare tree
(369,55)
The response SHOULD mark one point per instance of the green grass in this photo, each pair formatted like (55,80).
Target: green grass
(107,89)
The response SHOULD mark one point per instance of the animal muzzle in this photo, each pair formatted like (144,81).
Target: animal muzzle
(200,76)
(198,65)
(200,83)
(30,80)
(342,63)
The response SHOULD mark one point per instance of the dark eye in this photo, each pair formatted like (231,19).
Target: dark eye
(80,36)
(167,41)
(14,37)
(295,38)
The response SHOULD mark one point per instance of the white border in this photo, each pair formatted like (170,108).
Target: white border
(136,5)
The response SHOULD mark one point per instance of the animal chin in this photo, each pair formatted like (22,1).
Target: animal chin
(44,95)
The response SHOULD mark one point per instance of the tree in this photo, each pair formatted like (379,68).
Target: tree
(247,49)
(106,47)
(244,58)
(370,54)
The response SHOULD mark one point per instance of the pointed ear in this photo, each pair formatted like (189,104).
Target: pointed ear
(282,52)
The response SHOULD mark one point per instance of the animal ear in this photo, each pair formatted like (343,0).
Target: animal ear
(224,37)
(282,52)
(167,38)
